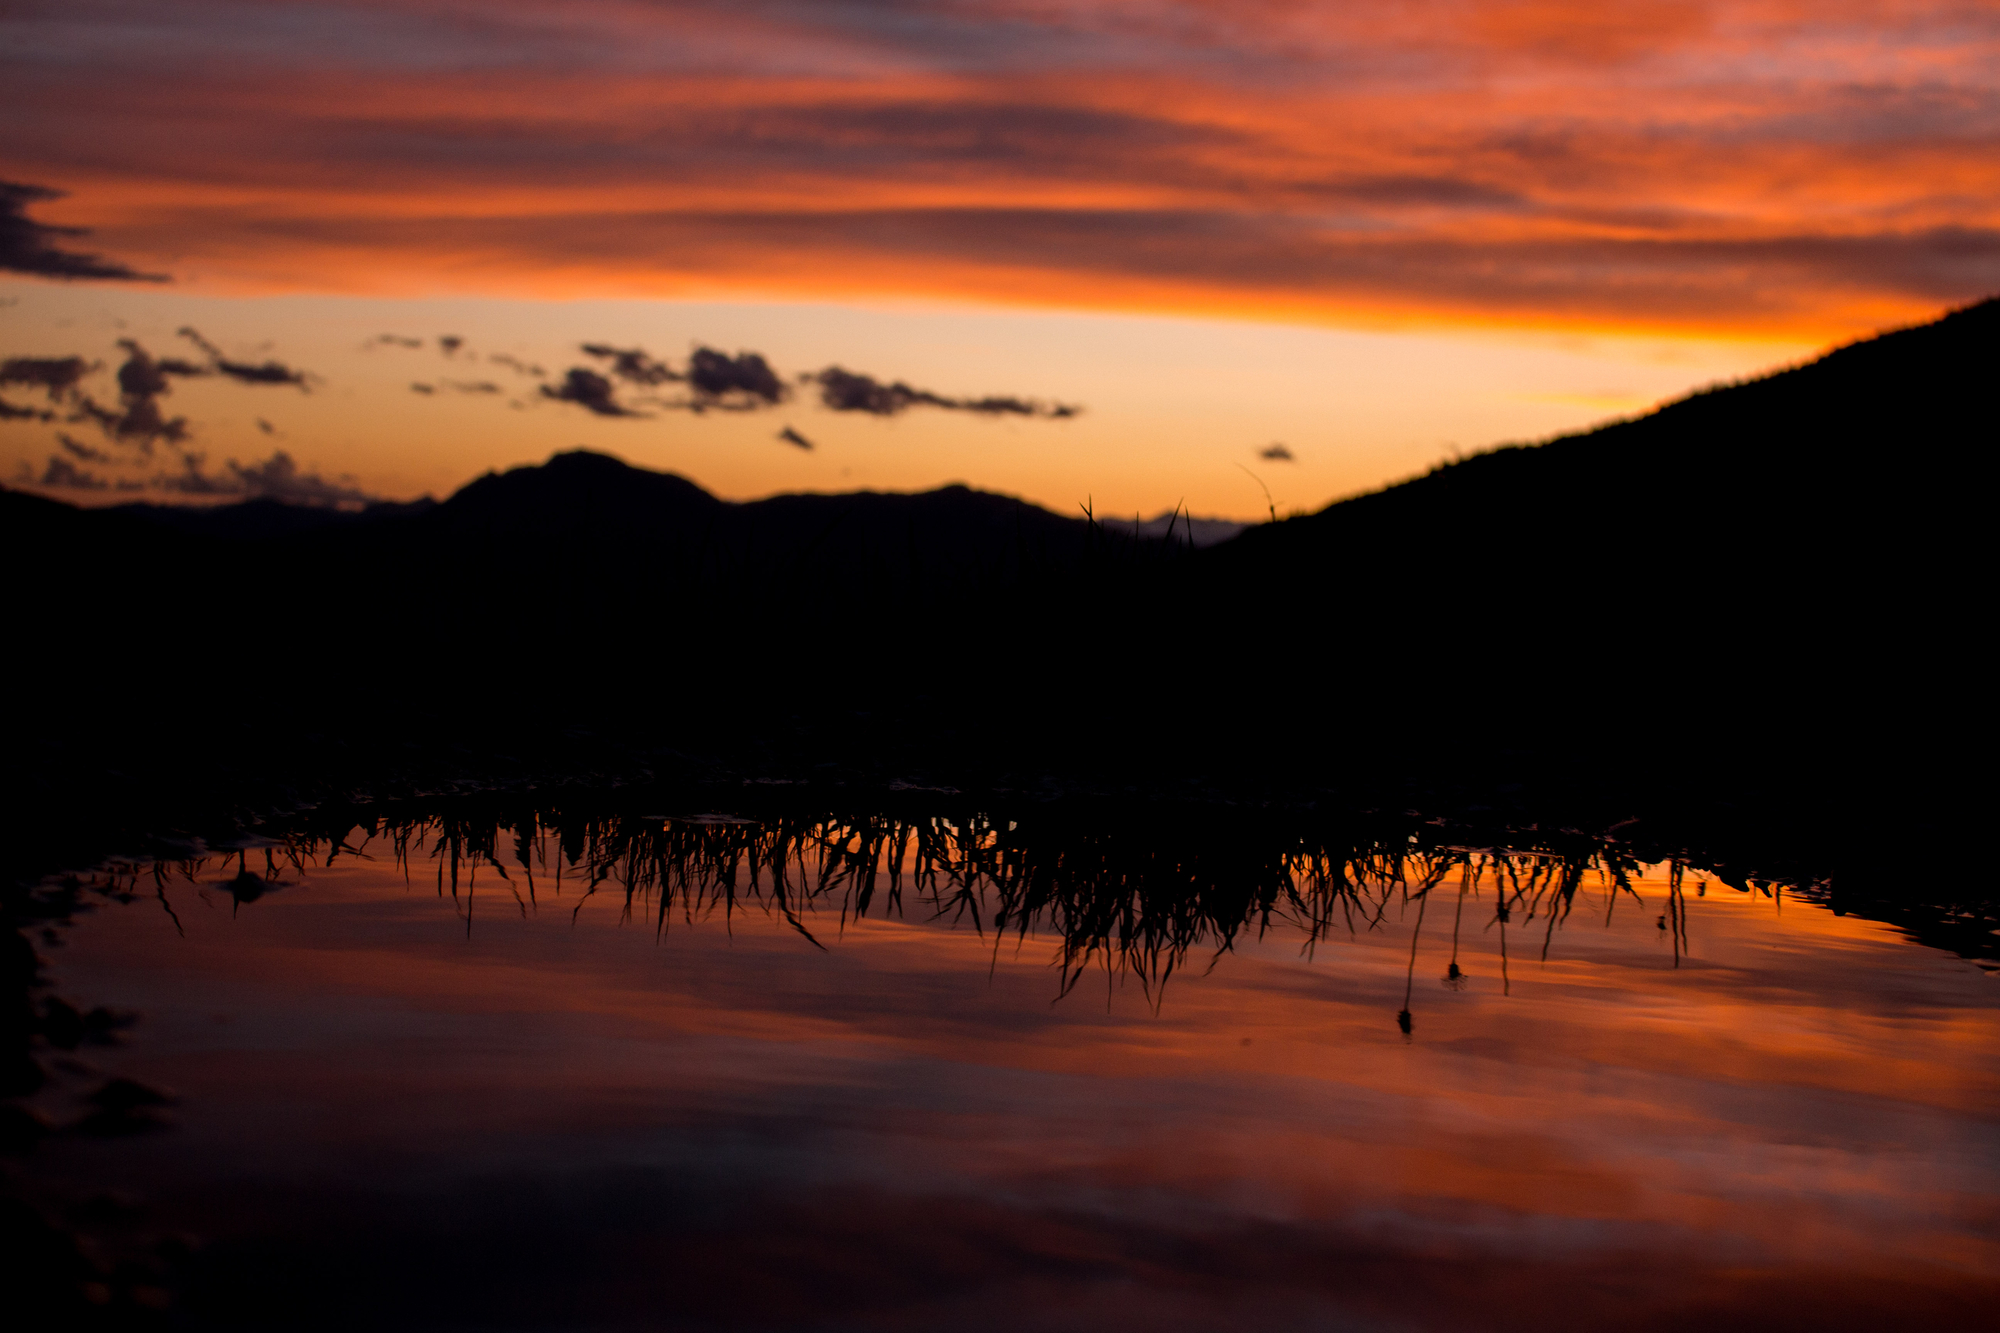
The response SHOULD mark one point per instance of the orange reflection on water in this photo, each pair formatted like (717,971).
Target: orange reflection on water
(737,1128)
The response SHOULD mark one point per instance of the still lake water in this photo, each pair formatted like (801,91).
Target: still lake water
(400,1106)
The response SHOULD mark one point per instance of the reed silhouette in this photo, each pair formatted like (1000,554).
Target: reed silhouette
(1136,895)
(1132,894)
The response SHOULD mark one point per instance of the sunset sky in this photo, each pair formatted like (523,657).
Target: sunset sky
(1374,234)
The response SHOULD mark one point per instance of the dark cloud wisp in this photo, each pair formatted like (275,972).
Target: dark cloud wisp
(27,246)
(78,449)
(518,366)
(633,365)
(843,390)
(243,372)
(54,375)
(14,412)
(451,345)
(589,391)
(457,386)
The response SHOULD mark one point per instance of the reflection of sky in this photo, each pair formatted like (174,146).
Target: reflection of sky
(731,1127)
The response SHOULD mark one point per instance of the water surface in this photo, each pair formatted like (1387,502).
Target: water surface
(404,1102)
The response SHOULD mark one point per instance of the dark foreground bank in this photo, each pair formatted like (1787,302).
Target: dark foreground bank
(1751,611)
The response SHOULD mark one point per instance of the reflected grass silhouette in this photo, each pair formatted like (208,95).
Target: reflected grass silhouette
(1137,896)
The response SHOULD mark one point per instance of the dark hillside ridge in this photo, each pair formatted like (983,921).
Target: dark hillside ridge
(1870,438)
(1762,595)
(588,516)
(582,592)
(1778,575)
(584,516)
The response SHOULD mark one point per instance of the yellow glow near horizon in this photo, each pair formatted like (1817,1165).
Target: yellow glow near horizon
(1175,409)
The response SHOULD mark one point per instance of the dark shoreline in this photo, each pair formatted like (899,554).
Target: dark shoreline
(134,816)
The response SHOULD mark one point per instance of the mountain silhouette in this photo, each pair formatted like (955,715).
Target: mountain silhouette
(1770,582)
(585,520)
(1764,589)
(1809,482)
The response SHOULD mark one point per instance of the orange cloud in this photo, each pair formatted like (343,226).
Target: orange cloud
(1767,168)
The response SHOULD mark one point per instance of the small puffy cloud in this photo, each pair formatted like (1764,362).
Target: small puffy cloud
(393,340)
(27,246)
(143,377)
(138,420)
(449,343)
(589,391)
(1277,453)
(716,377)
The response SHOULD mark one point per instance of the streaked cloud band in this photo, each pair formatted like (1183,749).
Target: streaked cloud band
(1759,167)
